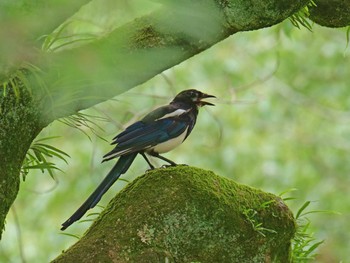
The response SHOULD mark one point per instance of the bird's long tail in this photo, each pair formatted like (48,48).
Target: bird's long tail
(118,169)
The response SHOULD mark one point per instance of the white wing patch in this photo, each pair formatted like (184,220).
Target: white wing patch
(170,144)
(178,112)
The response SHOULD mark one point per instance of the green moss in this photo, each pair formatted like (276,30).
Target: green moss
(335,13)
(186,214)
(249,15)
(19,124)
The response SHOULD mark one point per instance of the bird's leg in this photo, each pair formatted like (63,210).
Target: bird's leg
(164,159)
(149,163)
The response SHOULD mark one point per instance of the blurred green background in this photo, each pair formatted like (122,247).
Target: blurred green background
(281,121)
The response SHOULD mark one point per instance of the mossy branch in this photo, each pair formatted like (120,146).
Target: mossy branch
(186,214)
(136,51)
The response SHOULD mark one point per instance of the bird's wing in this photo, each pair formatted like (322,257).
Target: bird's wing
(157,114)
(143,135)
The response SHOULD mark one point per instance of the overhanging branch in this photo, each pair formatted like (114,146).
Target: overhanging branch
(135,52)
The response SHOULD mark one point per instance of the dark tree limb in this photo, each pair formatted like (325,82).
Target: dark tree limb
(331,13)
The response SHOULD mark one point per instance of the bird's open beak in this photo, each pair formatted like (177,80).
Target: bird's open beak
(201,103)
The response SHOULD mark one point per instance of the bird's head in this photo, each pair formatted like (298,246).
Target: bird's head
(194,96)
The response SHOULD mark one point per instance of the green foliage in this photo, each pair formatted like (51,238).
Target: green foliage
(300,19)
(82,121)
(28,77)
(14,81)
(304,244)
(56,40)
(76,237)
(252,216)
(38,155)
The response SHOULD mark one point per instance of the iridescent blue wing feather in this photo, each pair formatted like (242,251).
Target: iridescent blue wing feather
(146,135)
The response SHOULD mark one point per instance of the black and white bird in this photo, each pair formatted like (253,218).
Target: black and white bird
(158,132)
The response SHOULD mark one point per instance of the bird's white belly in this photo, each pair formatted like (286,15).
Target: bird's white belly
(169,145)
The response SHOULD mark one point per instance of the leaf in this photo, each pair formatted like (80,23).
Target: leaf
(313,247)
(36,157)
(287,191)
(301,17)
(4,85)
(320,211)
(266,204)
(43,166)
(302,208)
(84,120)
(289,198)
(70,235)
(53,149)
(47,138)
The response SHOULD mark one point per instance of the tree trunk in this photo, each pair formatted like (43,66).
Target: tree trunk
(20,123)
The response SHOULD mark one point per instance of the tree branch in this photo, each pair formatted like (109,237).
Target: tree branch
(331,13)
(148,45)
(186,214)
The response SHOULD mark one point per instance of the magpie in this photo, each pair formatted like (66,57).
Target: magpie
(158,132)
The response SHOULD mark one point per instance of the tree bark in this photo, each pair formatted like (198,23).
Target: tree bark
(331,13)
(186,214)
(20,123)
